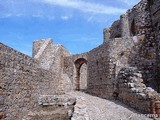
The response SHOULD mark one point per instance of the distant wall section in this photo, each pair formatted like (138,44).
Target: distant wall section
(51,57)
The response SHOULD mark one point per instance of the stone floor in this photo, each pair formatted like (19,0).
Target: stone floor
(93,108)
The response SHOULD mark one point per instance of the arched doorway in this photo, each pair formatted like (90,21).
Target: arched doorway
(83,77)
(81,65)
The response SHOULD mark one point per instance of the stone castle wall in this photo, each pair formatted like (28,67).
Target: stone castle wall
(138,50)
(134,44)
(125,67)
(138,22)
(105,62)
(115,30)
(155,16)
(99,72)
(72,71)
(21,83)
(51,57)
(133,92)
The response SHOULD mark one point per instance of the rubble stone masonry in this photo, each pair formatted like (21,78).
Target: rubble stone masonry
(21,83)
(125,67)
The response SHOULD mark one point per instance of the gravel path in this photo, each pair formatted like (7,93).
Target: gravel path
(94,108)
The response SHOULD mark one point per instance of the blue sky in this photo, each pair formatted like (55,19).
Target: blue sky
(76,24)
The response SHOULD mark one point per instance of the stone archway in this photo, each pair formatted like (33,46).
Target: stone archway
(78,63)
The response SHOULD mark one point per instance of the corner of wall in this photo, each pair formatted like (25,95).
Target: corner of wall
(39,44)
(106,34)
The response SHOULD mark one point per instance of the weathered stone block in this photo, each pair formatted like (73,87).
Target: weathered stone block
(2,115)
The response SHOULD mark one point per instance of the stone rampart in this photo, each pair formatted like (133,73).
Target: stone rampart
(21,83)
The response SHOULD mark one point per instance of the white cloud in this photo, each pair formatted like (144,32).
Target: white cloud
(129,2)
(51,17)
(10,15)
(65,17)
(86,6)
(37,16)
(90,19)
(5,15)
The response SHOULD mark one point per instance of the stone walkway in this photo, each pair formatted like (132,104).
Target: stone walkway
(93,108)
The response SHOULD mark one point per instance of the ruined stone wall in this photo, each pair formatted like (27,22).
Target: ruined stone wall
(100,72)
(115,30)
(106,35)
(42,52)
(141,54)
(51,57)
(140,18)
(53,70)
(70,70)
(133,92)
(155,15)
(144,58)
(119,52)
(131,45)
(110,58)
(105,62)
(138,21)
(21,83)
(136,48)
